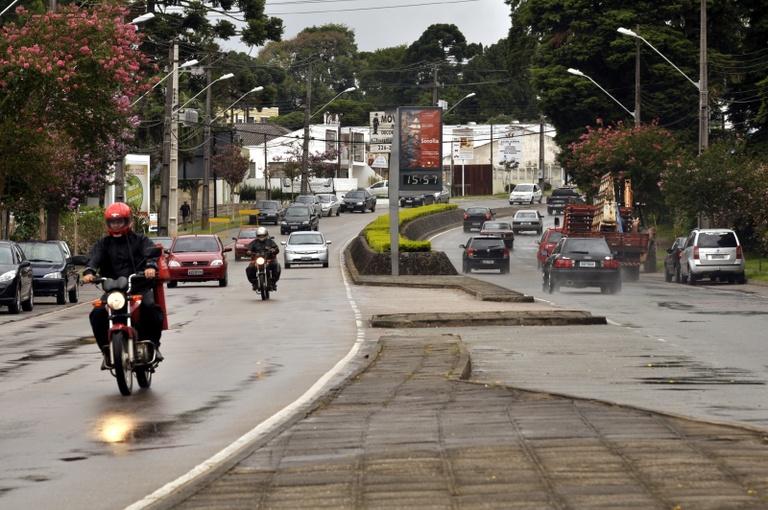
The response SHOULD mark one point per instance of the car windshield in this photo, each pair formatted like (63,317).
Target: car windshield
(184,245)
(41,252)
(717,240)
(477,210)
(297,211)
(266,205)
(480,243)
(355,194)
(524,187)
(325,198)
(554,237)
(5,255)
(594,246)
(526,215)
(306,239)
(247,234)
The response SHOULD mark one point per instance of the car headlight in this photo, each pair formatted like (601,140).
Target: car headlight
(56,275)
(284,222)
(290,252)
(305,222)
(359,203)
(116,300)
(217,262)
(9,276)
(174,263)
(239,245)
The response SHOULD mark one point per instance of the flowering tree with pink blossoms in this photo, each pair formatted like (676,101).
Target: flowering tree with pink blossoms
(66,83)
(640,153)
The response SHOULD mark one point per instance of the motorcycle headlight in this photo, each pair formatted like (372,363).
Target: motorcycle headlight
(260,261)
(116,300)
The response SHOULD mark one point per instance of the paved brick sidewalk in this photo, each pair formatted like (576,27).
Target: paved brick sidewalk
(405,432)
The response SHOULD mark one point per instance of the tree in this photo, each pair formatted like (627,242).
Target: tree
(639,153)
(231,165)
(67,80)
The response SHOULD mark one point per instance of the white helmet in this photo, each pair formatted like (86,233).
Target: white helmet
(262,233)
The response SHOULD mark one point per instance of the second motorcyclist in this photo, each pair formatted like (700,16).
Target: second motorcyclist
(263,243)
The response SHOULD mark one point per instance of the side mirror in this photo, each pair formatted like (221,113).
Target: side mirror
(283,243)
(80,260)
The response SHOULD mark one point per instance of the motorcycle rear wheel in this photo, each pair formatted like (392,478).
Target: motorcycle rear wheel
(123,372)
(144,378)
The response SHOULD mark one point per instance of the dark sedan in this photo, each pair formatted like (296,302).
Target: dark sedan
(358,200)
(55,274)
(299,217)
(580,262)
(270,211)
(474,217)
(16,279)
(485,252)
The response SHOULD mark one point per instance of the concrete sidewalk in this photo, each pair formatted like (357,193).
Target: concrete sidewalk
(408,430)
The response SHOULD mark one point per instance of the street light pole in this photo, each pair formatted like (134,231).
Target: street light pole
(471,94)
(579,73)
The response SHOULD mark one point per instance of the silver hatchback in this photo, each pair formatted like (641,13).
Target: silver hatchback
(713,253)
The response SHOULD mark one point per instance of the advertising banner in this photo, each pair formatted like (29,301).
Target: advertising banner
(382,130)
(463,143)
(420,145)
(136,168)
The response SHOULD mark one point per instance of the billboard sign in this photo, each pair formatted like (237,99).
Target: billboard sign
(382,130)
(463,143)
(421,149)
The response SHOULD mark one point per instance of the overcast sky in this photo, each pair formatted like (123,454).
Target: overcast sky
(385,23)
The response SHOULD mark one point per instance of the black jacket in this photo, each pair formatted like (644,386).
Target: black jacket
(263,245)
(112,257)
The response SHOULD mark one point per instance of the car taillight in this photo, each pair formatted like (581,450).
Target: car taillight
(738,253)
(695,253)
(465,216)
(505,252)
(487,216)
(611,264)
(563,263)
(471,252)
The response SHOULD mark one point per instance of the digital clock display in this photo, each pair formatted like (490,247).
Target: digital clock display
(421,180)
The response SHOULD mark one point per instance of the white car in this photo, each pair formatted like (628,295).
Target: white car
(525,193)
(379,189)
(305,248)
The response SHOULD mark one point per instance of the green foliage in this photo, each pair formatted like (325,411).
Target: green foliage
(248,193)
(90,228)
(377,232)
(27,225)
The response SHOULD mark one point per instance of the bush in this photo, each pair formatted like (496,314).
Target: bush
(90,228)
(248,193)
(378,236)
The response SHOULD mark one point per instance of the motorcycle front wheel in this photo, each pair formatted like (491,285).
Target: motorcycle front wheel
(263,286)
(144,378)
(123,372)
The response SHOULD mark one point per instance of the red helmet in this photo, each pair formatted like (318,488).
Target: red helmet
(119,218)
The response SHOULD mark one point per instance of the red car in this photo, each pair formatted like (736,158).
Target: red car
(197,258)
(548,240)
(243,239)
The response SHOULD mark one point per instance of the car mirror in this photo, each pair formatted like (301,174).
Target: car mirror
(328,241)
(80,260)
(283,243)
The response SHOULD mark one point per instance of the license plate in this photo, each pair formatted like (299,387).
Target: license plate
(526,223)
(195,272)
(294,227)
(306,258)
(488,262)
(717,257)
(475,223)
(587,264)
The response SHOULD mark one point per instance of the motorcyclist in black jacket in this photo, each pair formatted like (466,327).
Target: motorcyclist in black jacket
(263,243)
(123,253)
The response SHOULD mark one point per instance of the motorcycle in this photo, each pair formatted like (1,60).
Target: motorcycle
(261,260)
(127,354)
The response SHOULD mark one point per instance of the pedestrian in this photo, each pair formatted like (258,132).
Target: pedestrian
(184,214)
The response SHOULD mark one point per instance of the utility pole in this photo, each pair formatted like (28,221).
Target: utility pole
(305,147)
(205,218)
(637,78)
(703,87)
(170,151)
(541,152)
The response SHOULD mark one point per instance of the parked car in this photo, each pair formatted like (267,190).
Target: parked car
(55,274)
(474,217)
(64,246)
(16,279)
(330,204)
(437,197)
(164,241)
(581,262)
(527,220)
(198,258)
(443,196)
(501,229)
(270,211)
(485,252)
(358,200)
(548,240)
(299,217)
(310,200)
(379,189)
(242,240)
(714,253)
(305,248)
(672,260)
(525,193)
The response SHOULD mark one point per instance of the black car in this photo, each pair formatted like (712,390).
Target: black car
(358,200)
(55,274)
(581,262)
(270,211)
(474,217)
(16,279)
(485,252)
(672,260)
(299,217)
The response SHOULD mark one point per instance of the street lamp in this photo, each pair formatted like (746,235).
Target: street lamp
(188,63)
(579,73)
(255,89)
(141,19)
(700,85)
(471,94)
(220,78)
(305,147)
(9,6)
